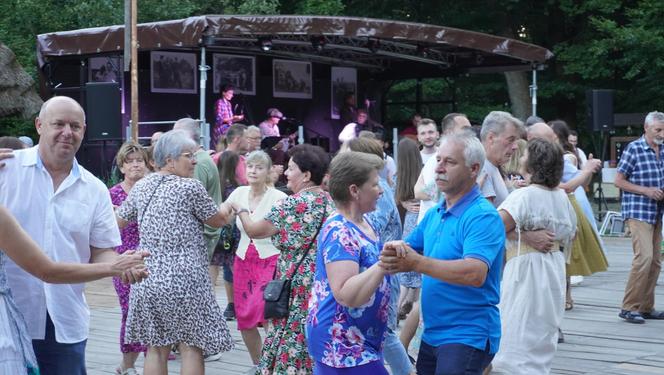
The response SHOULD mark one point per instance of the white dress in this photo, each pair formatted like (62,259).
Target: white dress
(532,297)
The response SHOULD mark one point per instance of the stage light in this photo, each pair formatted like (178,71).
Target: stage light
(265,43)
(373,45)
(318,43)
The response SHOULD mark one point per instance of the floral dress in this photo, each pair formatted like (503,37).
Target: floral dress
(130,241)
(338,336)
(297,218)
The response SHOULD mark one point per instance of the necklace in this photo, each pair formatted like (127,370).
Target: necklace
(308,189)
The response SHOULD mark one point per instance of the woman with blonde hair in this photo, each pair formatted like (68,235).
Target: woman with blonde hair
(132,161)
(255,259)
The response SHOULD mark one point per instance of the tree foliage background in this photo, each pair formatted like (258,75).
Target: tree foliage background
(607,44)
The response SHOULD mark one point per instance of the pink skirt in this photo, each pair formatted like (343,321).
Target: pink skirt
(250,276)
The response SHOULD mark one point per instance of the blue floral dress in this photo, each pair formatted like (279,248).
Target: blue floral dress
(339,336)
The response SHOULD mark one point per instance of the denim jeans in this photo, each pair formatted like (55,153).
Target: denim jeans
(55,358)
(395,354)
(452,359)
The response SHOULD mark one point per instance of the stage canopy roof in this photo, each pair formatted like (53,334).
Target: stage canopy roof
(386,49)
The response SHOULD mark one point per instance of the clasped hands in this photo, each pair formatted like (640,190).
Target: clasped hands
(130,266)
(398,256)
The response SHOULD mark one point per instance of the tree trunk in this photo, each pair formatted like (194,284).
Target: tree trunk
(519,93)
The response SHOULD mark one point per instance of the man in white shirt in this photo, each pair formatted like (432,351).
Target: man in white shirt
(427,135)
(500,131)
(68,212)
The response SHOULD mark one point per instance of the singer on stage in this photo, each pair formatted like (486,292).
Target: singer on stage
(224,116)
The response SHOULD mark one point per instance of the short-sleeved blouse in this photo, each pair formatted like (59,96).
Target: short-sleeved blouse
(340,336)
(535,207)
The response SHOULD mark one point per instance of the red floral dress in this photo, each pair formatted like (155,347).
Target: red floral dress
(297,219)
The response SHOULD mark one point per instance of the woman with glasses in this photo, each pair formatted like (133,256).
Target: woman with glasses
(176,306)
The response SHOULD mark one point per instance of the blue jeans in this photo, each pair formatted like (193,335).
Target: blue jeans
(395,354)
(452,359)
(55,358)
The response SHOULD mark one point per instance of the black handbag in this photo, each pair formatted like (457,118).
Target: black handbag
(277,292)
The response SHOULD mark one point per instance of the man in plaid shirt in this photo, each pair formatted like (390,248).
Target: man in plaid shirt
(641,178)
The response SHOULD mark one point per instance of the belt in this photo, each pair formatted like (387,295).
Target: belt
(514,251)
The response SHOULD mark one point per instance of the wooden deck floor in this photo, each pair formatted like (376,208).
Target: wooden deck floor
(597,341)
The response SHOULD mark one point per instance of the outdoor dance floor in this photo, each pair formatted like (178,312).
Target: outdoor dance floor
(597,341)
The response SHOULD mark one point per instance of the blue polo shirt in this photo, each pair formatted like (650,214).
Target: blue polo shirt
(456,314)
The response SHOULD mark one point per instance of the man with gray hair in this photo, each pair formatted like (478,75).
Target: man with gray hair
(206,172)
(640,176)
(458,247)
(500,131)
(425,188)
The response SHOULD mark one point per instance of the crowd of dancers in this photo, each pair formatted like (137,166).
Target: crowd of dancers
(468,245)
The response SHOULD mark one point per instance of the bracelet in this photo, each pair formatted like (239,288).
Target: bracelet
(241,210)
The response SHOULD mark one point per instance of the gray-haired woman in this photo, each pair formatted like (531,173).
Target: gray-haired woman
(176,304)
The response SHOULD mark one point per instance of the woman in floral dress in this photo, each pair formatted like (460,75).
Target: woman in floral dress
(348,308)
(132,160)
(293,224)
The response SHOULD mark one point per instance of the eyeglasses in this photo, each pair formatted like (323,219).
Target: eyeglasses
(188,155)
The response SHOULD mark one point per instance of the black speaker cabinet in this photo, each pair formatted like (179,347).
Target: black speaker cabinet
(103,116)
(600,109)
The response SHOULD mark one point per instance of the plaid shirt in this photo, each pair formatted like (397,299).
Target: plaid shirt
(223,109)
(640,166)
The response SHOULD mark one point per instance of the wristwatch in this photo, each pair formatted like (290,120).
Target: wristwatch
(241,210)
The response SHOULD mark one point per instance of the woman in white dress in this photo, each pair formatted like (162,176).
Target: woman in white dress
(532,300)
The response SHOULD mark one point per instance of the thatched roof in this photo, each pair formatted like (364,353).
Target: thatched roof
(18,95)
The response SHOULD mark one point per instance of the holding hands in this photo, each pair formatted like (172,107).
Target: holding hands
(398,256)
(130,267)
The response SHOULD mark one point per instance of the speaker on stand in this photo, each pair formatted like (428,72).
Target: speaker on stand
(600,119)
(103,117)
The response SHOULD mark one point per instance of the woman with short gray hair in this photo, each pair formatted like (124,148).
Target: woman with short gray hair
(176,306)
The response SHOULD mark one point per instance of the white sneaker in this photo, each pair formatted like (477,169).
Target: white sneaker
(575,280)
(212,357)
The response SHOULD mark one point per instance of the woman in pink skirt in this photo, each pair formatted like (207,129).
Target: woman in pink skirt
(255,260)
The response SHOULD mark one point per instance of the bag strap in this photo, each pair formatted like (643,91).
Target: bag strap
(152,195)
(306,252)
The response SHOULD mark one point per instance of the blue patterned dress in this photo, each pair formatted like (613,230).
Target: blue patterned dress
(16,355)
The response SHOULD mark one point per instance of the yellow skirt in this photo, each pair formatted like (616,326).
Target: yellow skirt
(587,255)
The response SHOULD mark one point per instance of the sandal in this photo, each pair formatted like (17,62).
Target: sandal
(569,305)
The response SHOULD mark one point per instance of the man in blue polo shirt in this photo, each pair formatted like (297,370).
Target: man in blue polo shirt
(462,240)
(641,178)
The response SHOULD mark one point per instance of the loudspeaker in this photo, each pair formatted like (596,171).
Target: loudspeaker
(103,117)
(600,109)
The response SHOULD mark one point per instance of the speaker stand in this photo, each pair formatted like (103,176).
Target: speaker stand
(601,198)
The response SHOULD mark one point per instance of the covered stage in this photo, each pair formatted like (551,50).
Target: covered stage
(299,64)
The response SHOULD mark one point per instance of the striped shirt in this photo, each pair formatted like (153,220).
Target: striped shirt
(641,166)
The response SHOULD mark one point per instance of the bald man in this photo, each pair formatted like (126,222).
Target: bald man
(67,211)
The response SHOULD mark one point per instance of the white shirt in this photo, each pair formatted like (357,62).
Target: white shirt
(425,156)
(264,246)
(64,224)
(428,174)
(494,184)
